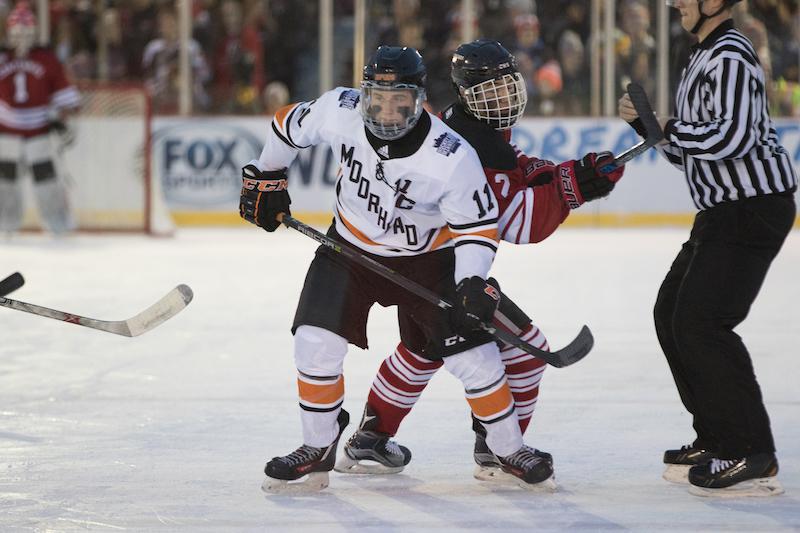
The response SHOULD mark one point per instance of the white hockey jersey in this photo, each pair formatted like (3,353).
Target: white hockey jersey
(403,206)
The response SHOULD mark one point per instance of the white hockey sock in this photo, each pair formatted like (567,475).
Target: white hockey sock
(489,396)
(319,357)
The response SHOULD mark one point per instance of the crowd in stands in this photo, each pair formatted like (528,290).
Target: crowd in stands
(252,56)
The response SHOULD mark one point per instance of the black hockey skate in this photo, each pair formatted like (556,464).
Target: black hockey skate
(489,467)
(304,461)
(754,475)
(678,462)
(531,471)
(371,452)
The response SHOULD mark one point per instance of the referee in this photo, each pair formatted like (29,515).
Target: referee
(742,182)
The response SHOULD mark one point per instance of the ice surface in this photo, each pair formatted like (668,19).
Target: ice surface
(170,431)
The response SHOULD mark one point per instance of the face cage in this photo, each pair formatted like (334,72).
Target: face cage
(21,38)
(389,132)
(498,102)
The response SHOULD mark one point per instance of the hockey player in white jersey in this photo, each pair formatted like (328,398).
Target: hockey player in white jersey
(534,197)
(411,193)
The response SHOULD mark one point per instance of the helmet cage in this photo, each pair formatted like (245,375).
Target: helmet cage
(21,38)
(21,28)
(499,102)
(370,111)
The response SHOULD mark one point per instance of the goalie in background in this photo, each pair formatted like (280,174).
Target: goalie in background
(34,95)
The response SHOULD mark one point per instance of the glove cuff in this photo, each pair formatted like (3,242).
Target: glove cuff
(568,183)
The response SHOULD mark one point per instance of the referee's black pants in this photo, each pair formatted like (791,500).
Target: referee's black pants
(706,294)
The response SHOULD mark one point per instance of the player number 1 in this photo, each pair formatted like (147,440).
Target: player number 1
(20,87)
(477,197)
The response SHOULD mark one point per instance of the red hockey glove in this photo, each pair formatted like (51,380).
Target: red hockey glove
(263,197)
(581,181)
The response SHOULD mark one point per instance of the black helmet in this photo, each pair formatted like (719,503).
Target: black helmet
(402,61)
(488,83)
(398,73)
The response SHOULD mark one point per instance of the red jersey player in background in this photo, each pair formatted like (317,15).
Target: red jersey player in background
(534,196)
(35,97)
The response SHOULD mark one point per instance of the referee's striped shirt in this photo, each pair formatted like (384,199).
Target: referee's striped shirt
(723,138)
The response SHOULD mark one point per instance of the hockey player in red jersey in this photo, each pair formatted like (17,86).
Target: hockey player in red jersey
(35,97)
(491,98)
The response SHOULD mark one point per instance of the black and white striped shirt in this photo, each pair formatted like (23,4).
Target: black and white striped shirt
(723,138)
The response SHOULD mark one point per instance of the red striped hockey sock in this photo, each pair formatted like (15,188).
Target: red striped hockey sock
(404,375)
(524,372)
(397,386)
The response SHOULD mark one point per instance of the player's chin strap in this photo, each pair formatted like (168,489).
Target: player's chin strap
(704,17)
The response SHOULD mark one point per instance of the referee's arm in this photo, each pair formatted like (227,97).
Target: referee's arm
(733,133)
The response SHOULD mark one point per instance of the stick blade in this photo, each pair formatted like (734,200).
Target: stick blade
(11,283)
(575,350)
(158,313)
(645,111)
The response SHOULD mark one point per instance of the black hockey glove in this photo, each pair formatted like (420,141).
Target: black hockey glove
(581,181)
(476,301)
(66,135)
(263,197)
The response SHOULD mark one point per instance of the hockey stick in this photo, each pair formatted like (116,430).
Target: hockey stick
(164,309)
(11,283)
(572,353)
(654,132)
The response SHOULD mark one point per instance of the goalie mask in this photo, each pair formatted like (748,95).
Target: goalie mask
(392,91)
(21,29)
(488,83)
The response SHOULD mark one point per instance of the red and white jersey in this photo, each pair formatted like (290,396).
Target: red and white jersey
(529,198)
(31,90)
(395,198)
(530,201)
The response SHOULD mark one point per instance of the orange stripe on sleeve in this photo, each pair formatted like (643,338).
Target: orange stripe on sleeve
(321,394)
(442,238)
(282,113)
(493,403)
(488,233)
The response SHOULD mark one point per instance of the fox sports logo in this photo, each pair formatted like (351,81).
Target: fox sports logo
(200,162)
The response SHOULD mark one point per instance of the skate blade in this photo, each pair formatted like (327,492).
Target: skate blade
(497,475)
(346,465)
(753,488)
(677,474)
(313,482)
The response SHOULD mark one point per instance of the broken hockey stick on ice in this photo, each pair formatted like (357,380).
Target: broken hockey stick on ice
(11,283)
(155,315)
(654,132)
(572,353)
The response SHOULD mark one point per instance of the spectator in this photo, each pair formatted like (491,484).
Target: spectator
(238,63)
(140,19)
(574,97)
(637,55)
(528,48)
(409,26)
(548,84)
(117,62)
(275,96)
(160,63)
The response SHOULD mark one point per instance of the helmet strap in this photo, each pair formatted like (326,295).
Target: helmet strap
(704,17)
